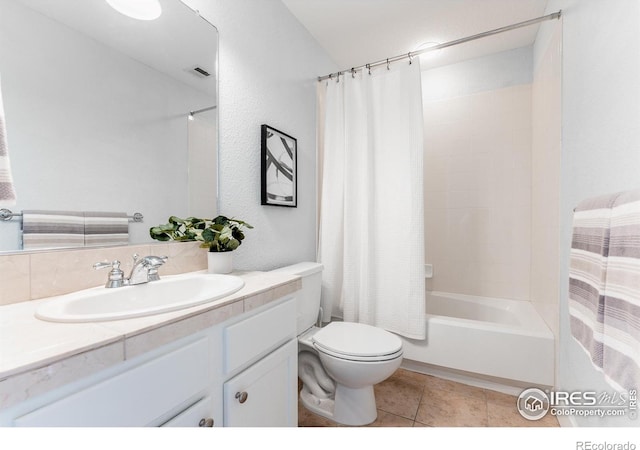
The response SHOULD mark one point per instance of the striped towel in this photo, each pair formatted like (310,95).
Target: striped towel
(52,229)
(604,285)
(621,360)
(106,228)
(7,190)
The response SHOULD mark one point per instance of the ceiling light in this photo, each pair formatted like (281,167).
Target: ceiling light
(137,9)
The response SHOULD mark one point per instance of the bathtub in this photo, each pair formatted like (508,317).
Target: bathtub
(492,337)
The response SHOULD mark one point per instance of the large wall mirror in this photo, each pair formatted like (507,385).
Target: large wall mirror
(105,112)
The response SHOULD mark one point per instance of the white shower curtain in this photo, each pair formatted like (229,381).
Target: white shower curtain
(372,219)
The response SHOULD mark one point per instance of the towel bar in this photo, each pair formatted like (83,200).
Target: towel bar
(7,214)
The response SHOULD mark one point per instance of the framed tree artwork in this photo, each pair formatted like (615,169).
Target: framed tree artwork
(279,168)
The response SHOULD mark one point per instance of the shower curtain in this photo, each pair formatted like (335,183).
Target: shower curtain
(371,238)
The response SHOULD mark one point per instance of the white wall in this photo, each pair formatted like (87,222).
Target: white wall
(491,72)
(478,175)
(268,69)
(600,141)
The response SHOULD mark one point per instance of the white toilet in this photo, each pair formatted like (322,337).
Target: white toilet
(340,363)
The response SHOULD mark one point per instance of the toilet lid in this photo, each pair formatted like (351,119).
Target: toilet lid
(357,339)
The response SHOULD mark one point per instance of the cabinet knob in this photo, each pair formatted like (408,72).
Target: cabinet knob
(242,396)
(208,422)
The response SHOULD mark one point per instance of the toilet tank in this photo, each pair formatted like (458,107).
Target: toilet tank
(308,299)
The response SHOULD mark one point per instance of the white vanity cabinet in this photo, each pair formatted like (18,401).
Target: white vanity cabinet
(150,390)
(261,369)
(241,372)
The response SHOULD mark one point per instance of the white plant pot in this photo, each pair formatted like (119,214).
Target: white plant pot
(220,262)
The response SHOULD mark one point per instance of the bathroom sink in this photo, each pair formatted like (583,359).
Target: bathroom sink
(167,294)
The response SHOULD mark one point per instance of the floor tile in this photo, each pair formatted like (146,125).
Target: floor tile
(500,415)
(400,393)
(412,399)
(386,419)
(500,398)
(440,408)
(451,386)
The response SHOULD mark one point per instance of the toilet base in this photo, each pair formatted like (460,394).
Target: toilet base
(354,407)
(320,406)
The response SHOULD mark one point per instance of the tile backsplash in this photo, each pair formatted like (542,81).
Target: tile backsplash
(31,276)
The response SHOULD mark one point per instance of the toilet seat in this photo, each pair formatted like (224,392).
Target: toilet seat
(357,342)
(354,358)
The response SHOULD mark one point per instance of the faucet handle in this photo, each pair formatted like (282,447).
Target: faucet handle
(104,264)
(116,275)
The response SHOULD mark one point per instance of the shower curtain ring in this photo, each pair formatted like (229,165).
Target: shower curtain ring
(338,77)
(388,68)
(369,68)
(410,58)
(353,72)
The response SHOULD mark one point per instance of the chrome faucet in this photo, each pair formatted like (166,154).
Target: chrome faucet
(143,270)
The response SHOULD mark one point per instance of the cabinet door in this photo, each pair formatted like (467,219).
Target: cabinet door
(142,395)
(265,394)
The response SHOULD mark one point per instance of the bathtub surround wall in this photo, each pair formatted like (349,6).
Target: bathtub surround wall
(478,175)
(600,142)
(268,69)
(545,175)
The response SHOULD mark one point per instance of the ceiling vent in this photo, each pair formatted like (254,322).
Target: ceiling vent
(200,71)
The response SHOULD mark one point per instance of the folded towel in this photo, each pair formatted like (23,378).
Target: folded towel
(604,285)
(7,190)
(106,228)
(52,229)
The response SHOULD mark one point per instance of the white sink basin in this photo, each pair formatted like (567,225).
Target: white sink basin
(170,293)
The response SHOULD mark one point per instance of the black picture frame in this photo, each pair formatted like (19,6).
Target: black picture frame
(279,160)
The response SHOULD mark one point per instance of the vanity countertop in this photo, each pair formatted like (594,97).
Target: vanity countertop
(36,356)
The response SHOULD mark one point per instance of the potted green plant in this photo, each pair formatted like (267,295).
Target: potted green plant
(220,235)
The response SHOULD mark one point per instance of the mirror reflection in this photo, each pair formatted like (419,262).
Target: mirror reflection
(109,113)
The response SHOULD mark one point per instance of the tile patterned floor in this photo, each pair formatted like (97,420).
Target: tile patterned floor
(411,399)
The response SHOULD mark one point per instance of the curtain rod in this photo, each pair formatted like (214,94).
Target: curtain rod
(193,113)
(555,15)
